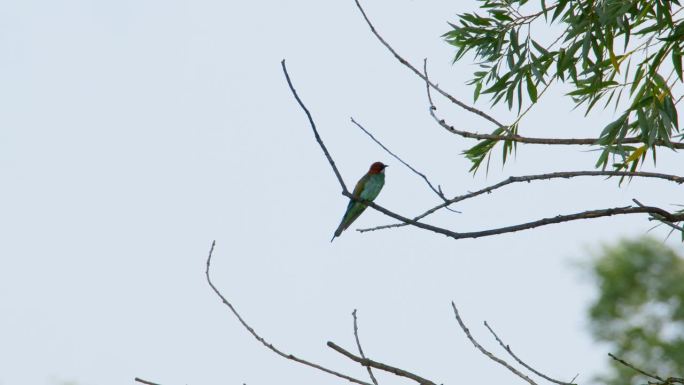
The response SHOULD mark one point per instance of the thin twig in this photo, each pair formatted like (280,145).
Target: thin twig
(672,225)
(380,365)
(358,344)
(487,353)
(530,178)
(550,141)
(660,380)
(313,126)
(531,369)
(412,68)
(140,380)
(627,364)
(262,340)
(433,108)
(437,190)
(531,140)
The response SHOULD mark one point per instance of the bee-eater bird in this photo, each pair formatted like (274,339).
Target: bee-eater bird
(367,188)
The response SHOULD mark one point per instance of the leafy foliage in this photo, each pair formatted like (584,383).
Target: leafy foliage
(640,309)
(481,151)
(606,49)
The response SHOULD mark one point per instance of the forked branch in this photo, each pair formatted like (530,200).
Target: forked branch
(531,178)
(415,71)
(380,366)
(486,352)
(667,216)
(528,367)
(437,190)
(358,345)
(658,380)
(478,136)
(262,340)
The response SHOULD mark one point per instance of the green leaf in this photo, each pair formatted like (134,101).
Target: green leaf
(585,58)
(539,48)
(559,9)
(478,88)
(677,60)
(603,159)
(531,88)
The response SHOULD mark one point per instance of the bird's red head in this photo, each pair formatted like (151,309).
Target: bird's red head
(377,168)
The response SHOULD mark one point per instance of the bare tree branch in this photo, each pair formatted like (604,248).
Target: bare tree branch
(487,353)
(656,218)
(659,380)
(437,190)
(263,341)
(358,344)
(315,131)
(589,214)
(530,140)
(627,364)
(531,369)
(412,68)
(474,135)
(380,366)
(477,234)
(140,380)
(530,178)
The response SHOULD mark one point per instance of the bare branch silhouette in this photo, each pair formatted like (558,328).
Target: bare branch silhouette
(531,140)
(412,68)
(627,364)
(437,190)
(530,178)
(369,363)
(589,214)
(656,218)
(358,344)
(531,369)
(477,234)
(262,340)
(380,365)
(313,127)
(140,380)
(487,353)
(659,380)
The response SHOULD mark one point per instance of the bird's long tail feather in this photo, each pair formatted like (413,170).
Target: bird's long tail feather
(339,230)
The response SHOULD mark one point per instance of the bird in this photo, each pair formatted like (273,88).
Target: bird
(367,188)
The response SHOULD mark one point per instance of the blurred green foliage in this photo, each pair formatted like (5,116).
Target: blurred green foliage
(639,311)
(603,49)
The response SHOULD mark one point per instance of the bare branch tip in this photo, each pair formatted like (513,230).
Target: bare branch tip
(140,380)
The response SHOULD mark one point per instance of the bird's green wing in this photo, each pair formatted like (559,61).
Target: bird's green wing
(370,186)
(367,188)
(358,189)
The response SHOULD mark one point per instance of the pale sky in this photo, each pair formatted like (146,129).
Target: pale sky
(134,132)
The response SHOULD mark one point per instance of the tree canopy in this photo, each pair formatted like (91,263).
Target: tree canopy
(639,309)
(625,53)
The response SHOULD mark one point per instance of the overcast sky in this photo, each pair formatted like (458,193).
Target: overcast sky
(134,132)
